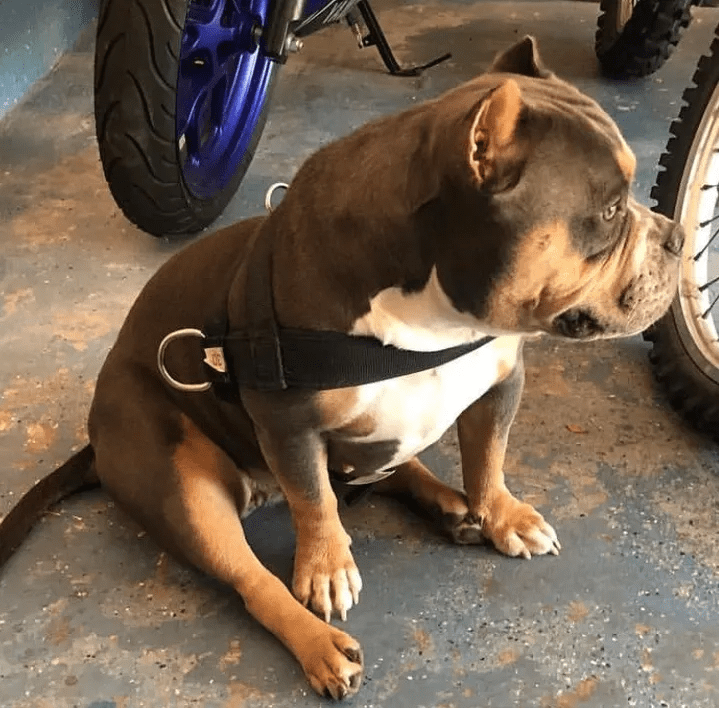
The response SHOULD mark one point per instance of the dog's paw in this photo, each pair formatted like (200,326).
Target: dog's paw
(325,576)
(517,529)
(464,529)
(333,663)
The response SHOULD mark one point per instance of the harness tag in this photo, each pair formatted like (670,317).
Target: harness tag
(215,358)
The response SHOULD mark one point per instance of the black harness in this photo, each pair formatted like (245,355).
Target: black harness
(317,360)
(267,357)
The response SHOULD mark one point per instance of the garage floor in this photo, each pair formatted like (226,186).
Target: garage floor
(92,615)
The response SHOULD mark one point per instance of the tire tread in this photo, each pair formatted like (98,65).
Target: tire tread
(689,389)
(136,68)
(645,42)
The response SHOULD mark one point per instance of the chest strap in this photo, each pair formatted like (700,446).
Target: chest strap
(320,360)
(267,357)
(304,359)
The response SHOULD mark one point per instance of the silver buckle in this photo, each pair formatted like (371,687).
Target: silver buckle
(270,192)
(179,385)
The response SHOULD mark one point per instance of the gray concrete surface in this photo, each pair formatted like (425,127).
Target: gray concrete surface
(33,36)
(92,615)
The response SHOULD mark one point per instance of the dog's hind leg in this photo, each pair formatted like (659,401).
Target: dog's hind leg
(422,490)
(198,517)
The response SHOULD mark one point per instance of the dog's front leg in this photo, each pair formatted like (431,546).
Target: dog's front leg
(325,575)
(514,527)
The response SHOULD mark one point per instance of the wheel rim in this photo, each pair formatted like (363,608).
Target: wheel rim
(697,209)
(222,87)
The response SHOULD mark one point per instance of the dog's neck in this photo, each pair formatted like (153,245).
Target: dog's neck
(424,320)
(363,217)
(376,278)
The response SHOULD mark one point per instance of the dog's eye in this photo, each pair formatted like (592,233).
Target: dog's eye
(611,211)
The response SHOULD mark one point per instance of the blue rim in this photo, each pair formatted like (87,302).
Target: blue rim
(222,87)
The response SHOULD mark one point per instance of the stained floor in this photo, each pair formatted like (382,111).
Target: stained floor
(92,615)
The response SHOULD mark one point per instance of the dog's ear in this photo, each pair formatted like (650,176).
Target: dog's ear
(522,58)
(493,147)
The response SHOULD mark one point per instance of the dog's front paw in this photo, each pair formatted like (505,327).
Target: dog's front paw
(333,663)
(516,528)
(326,577)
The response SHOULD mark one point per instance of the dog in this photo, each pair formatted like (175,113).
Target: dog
(496,212)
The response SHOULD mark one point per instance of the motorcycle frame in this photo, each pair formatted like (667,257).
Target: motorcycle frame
(291,19)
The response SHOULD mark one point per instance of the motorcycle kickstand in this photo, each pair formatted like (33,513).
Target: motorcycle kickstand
(375,37)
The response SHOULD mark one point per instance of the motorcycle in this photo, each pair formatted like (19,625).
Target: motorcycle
(685,342)
(183,87)
(182,91)
(635,37)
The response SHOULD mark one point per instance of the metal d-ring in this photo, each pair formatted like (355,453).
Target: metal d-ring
(178,334)
(273,188)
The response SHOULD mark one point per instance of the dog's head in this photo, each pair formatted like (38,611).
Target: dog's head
(543,233)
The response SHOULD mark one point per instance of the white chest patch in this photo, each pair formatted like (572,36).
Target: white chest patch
(416,410)
(424,321)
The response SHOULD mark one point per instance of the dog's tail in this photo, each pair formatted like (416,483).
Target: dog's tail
(75,475)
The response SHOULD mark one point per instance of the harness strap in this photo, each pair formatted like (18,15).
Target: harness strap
(319,360)
(260,351)
(266,357)
(269,358)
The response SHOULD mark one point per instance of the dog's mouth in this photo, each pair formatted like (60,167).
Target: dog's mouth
(577,323)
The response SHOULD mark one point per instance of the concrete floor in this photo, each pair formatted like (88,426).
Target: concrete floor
(93,616)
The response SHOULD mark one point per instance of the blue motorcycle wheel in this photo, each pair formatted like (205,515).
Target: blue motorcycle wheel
(181,98)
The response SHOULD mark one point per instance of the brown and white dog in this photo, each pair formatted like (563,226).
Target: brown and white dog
(501,208)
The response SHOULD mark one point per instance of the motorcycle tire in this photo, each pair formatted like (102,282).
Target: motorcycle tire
(634,39)
(685,342)
(181,94)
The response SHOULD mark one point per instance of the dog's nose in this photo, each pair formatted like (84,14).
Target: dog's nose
(577,323)
(675,241)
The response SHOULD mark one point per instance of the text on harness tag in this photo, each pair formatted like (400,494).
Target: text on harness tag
(215,358)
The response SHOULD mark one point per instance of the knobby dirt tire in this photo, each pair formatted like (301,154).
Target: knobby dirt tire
(645,41)
(136,74)
(688,374)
